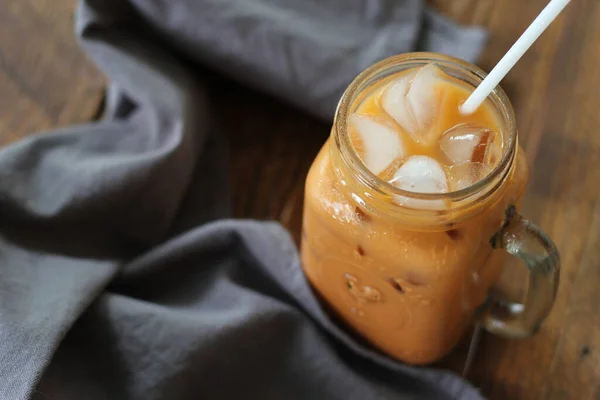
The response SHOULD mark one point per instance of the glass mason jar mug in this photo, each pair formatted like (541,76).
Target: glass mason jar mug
(409,280)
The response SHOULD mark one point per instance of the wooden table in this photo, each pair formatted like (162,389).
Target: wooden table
(45,81)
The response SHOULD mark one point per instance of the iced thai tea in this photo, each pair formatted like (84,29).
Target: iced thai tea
(400,206)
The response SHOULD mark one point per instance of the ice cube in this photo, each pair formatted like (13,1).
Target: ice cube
(381,144)
(461,176)
(494,154)
(413,101)
(467,143)
(421,174)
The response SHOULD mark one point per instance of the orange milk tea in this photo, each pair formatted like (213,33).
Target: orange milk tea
(410,292)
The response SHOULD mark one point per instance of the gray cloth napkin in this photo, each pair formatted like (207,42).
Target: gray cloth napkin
(121,276)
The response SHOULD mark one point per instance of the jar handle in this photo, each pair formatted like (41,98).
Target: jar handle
(524,240)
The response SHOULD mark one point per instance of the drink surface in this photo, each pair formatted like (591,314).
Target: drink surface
(392,122)
(410,291)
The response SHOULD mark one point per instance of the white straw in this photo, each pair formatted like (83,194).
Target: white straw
(537,27)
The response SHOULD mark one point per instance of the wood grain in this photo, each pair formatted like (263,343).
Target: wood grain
(555,90)
(46,80)
(468,12)
(282,148)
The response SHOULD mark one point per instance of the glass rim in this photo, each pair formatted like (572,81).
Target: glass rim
(498,98)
